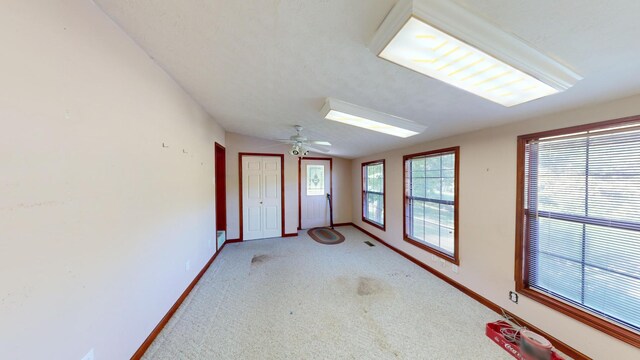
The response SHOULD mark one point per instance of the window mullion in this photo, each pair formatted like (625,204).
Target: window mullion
(366,184)
(533,211)
(410,194)
(440,207)
(586,214)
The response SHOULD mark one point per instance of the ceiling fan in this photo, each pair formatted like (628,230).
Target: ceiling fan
(300,145)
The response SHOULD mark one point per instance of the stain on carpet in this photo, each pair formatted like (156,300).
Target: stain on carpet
(364,289)
(369,286)
(260,259)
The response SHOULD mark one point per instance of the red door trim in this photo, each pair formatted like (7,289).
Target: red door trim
(220,171)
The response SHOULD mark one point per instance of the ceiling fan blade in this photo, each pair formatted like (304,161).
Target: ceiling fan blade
(319,142)
(288,141)
(317,149)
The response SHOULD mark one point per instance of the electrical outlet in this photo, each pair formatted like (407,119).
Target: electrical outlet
(513,296)
(454,268)
(434,258)
(443,263)
(187,265)
(89,355)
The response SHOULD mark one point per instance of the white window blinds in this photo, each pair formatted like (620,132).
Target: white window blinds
(582,221)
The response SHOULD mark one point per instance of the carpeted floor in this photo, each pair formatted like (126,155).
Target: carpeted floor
(294,298)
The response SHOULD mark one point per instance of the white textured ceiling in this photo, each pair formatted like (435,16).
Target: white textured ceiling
(259,67)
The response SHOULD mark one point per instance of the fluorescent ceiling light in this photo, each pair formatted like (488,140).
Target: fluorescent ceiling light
(355,115)
(442,40)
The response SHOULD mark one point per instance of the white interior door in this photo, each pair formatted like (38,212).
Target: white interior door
(315,180)
(261,197)
(271,197)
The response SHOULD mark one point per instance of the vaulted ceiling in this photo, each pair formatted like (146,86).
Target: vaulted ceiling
(259,67)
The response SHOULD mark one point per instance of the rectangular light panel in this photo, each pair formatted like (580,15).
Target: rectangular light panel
(368,124)
(429,51)
(355,115)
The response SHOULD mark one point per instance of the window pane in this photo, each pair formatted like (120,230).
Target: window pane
(615,295)
(374,175)
(448,189)
(418,210)
(446,216)
(562,238)
(605,250)
(418,187)
(432,234)
(561,171)
(559,276)
(615,197)
(433,164)
(448,161)
(448,173)
(562,194)
(374,208)
(433,188)
(446,240)
(417,219)
(431,212)
(418,167)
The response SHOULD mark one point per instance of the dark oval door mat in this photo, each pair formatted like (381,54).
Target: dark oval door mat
(325,235)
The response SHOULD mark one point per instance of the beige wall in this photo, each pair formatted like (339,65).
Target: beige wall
(97,219)
(341,178)
(487,219)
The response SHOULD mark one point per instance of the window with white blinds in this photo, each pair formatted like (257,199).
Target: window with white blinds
(373,193)
(582,220)
(431,201)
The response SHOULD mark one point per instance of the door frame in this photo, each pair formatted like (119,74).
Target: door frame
(300,182)
(240,190)
(220,188)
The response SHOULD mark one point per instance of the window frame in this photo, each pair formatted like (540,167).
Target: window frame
(382,226)
(521,244)
(455,259)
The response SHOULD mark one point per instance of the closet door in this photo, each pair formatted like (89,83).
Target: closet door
(261,197)
(252,197)
(271,197)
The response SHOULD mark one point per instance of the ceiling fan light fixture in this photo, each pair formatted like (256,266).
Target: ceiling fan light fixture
(443,40)
(301,145)
(350,114)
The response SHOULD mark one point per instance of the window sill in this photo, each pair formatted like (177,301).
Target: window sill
(374,224)
(452,259)
(596,322)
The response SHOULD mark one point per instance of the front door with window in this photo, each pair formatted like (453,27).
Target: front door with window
(315,179)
